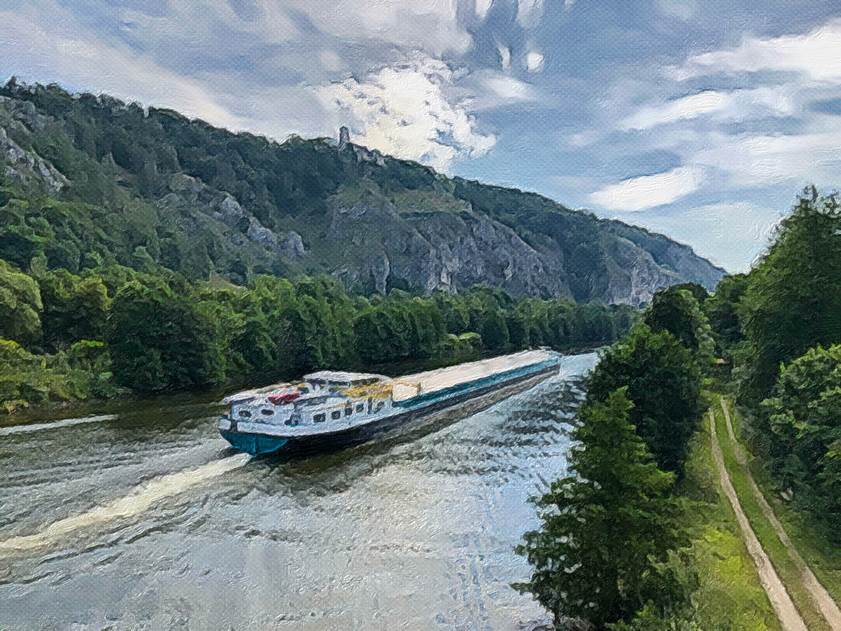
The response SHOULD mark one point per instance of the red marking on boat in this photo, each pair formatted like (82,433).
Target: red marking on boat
(286,397)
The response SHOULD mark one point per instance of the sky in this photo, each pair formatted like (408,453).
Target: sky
(701,119)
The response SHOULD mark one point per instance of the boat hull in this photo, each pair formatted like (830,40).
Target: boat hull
(468,402)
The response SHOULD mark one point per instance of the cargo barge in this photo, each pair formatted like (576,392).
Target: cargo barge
(332,409)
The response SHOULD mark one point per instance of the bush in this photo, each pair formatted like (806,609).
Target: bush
(664,384)
(608,528)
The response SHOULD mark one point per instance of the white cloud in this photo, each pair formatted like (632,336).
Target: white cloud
(529,12)
(64,50)
(330,60)
(482,7)
(534,61)
(758,160)
(733,105)
(568,4)
(731,234)
(405,111)
(504,57)
(428,25)
(499,89)
(680,9)
(649,191)
(816,55)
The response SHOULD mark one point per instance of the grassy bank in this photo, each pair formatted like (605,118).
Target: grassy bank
(729,595)
(822,556)
(774,548)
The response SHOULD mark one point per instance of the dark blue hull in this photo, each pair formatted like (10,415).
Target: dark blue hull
(254,444)
(472,397)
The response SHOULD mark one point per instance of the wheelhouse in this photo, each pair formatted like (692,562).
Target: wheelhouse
(325,399)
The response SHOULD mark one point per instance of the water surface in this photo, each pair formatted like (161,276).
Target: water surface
(145,520)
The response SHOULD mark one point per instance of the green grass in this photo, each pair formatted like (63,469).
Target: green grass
(774,548)
(822,556)
(729,594)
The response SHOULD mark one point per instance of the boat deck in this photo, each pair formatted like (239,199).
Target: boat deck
(431,380)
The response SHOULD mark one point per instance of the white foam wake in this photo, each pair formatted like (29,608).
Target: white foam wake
(139,500)
(37,427)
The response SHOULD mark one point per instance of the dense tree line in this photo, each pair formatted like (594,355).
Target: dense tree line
(608,552)
(779,326)
(115,327)
(611,549)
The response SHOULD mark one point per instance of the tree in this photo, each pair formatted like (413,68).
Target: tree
(75,308)
(803,416)
(162,340)
(664,384)
(722,310)
(793,299)
(20,304)
(606,527)
(494,330)
(677,311)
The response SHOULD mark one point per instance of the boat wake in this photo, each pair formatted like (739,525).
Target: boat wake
(138,501)
(37,427)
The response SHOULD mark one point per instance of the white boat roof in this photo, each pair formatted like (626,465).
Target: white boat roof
(431,380)
(340,376)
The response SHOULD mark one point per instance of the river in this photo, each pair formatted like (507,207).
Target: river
(143,519)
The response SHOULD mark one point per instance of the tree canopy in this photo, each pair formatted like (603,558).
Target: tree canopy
(608,527)
(793,298)
(805,423)
(664,384)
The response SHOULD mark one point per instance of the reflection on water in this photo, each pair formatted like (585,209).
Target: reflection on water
(147,521)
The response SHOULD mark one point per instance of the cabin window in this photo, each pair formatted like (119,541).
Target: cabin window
(360,407)
(336,414)
(245,414)
(348,411)
(380,406)
(267,412)
(318,418)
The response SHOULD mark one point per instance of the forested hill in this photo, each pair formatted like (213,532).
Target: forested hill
(88,180)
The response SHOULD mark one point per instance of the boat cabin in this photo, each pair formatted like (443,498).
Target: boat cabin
(325,399)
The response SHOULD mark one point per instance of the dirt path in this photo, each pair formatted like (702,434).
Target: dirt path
(780,600)
(824,601)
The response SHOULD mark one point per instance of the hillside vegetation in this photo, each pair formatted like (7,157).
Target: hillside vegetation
(90,181)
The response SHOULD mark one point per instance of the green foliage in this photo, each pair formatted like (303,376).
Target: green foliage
(793,299)
(609,528)
(664,384)
(159,339)
(677,311)
(75,308)
(722,310)
(20,303)
(803,416)
(153,330)
(27,379)
(495,330)
(149,187)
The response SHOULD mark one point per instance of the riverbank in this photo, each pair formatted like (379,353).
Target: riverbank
(808,564)
(729,594)
(786,550)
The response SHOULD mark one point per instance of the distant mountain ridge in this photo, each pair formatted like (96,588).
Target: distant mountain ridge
(88,179)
